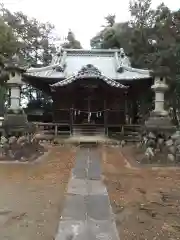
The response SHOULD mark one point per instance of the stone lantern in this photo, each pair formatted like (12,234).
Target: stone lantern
(15,119)
(159,118)
(159,87)
(1,103)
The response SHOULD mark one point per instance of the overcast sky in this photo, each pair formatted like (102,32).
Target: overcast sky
(83,17)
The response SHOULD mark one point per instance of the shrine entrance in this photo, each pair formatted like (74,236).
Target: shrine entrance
(89,107)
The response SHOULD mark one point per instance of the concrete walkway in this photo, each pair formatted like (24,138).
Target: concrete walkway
(87,214)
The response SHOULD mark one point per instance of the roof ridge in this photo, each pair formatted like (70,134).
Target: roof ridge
(41,69)
(93,50)
(131,69)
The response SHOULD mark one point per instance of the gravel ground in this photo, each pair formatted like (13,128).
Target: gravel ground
(32,196)
(145,201)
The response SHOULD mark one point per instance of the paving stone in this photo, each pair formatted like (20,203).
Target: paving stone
(81,165)
(69,230)
(98,207)
(87,213)
(80,169)
(90,230)
(78,186)
(81,162)
(96,187)
(79,173)
(94,175)
(102,230)
(94,170)
(94,154)
(83,152)
(75,208)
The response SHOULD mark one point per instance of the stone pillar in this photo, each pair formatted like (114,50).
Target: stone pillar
(14,83)
(160,87)
(15,97)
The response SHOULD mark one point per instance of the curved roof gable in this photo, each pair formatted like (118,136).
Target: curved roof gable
(88,71)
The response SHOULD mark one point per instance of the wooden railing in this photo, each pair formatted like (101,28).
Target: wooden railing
(61,128)
(52,128)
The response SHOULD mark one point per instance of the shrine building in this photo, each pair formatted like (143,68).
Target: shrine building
(89,87)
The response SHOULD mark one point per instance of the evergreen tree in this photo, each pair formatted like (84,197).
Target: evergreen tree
(113,35)
(33,42)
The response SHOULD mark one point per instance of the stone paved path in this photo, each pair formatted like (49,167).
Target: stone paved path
(87,214)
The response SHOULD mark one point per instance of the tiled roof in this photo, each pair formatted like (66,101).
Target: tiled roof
(112,63)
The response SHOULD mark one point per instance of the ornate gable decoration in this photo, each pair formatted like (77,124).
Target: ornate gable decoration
(60,68)
(89,71)
(61,59)
(121,61)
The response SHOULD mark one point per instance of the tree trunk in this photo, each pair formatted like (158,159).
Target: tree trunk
(2,100)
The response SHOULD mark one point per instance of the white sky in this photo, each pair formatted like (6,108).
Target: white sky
(83,17)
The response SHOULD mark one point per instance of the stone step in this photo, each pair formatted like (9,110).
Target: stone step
(131,133)
(88,130)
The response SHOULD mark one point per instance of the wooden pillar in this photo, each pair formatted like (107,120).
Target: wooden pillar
(71,121)
(126,107)
(53,108)
(56,130)
(134,99)
(134,111)
(105,118)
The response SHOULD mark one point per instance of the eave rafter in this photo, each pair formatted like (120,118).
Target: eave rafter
(89,71)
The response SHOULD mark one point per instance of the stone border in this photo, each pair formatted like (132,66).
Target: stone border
(38,160)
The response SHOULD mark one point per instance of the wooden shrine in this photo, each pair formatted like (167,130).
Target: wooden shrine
(91,87)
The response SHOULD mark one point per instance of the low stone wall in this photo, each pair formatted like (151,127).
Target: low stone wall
(21,149)
(160,148)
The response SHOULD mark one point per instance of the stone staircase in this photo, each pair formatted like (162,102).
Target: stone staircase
(88,130)
(131,136)
(132,133)
(129,133)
